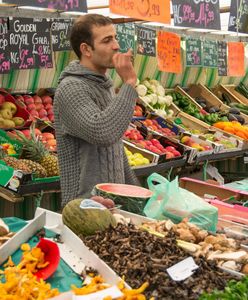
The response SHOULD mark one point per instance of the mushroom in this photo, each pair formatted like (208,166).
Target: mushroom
(236,256)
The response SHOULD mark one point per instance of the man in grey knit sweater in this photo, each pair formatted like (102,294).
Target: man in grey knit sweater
(89,118)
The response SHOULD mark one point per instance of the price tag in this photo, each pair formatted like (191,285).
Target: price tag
(238,17)
(113,291)
(236,58)
(193,52)
(183,269)
(222,58)
(210,54)
(146,41)
(197,13)
(125,36)
(150,10)
(169,52)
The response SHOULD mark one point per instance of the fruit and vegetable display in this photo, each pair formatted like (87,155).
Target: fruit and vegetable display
(152,93)
(21,280)
(229,114)
(153,125)
(187,106)
(234,128)
(234,290)
(97,284)
(143,257)
(227,252)
(153,145)
(195,143)
(37,107)
(242,89)
(8,116)
(8,148)
(226,142)
(136,158)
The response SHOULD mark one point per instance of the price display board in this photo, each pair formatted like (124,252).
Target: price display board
(125,36)
(197,13)
(193,52)
(238,18)
(210,54)
(60,29)
(222,58)
(4,46)
(146,41)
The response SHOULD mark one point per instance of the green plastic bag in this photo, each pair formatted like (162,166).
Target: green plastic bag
(169,201)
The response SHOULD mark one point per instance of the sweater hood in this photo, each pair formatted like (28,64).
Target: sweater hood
(77,70)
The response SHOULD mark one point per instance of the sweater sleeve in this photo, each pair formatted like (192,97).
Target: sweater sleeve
(81,117)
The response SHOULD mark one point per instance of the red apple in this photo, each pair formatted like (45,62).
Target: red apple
(34,113)
(176,153)
(47,99)
(42,113)
(48,106)
(39,106)
(37,132)
(37,99)
(20,98)
(26,132)
(51,118)
(47,136)
(28,99)
(31,106)
(170,148)
(155,142)
(169,155)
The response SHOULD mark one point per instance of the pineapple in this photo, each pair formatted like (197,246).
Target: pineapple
(35,167)
(35,150)
(16,164)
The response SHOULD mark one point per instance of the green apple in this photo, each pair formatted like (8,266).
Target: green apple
(6,114)
(18,121)
(9,105)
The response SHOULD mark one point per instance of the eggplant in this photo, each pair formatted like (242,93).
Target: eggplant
(234,111)
(232,117)
(240,119)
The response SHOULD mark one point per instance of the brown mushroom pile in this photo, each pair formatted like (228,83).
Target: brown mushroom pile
(141,256)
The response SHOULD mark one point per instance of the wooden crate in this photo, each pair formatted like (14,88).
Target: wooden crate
(230,91)
(199,90)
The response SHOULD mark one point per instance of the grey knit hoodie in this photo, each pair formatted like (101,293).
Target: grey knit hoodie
(90,121)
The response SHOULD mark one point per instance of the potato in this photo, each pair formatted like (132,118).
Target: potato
(108,203)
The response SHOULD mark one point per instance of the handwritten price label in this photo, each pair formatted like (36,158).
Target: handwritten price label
(150,10)
(169,52)
(193,52)
(236,58)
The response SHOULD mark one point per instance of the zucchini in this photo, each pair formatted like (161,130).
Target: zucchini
(226,99)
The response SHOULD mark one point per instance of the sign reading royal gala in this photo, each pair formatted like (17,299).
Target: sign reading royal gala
(66,5)
(197,13)
(29,43)
(150,10)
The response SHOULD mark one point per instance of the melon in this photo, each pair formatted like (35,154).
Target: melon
(86,221)
(132,198)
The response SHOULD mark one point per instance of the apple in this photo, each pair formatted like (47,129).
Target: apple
(42,113)
(47,136)
(37,99)
(2,99)
(37,132)
(18,121)
(176,153)
(31,106)
(9,105)
(170,148)
(47,99)
(48,106)
(34,113)
(51,142)
(20,98)
(169,155)
(6,114)
(38,106)
(26,132)
(50,111)
(28,99)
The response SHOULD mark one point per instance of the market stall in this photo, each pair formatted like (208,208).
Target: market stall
(175,236)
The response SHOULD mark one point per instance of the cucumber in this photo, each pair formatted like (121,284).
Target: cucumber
(226,99)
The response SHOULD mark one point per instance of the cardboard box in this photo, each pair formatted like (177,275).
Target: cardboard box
(12,179)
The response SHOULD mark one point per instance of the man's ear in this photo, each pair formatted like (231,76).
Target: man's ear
(85,50)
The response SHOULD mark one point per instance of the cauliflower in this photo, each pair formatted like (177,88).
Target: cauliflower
(160,90)
(141,90)
(154,82)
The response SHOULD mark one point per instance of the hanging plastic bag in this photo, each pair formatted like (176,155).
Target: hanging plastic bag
(169,201)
